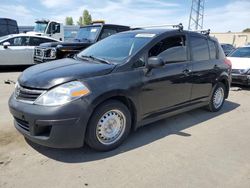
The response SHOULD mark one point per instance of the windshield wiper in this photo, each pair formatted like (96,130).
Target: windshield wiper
(97,59)
(82,39)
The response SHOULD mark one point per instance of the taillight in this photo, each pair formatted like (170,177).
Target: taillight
(228,62)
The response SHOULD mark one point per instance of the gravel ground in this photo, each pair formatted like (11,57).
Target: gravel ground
(194,149)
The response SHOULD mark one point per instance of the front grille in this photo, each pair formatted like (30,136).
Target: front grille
(23,124)
(38,52)
(41,54)
(25,94)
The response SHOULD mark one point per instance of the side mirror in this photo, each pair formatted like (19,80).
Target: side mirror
(154,62)
(6,44)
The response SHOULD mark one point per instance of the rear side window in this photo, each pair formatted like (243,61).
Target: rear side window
(199,48)
(35,41)
(212,49)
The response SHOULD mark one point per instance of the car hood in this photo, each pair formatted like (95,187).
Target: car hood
(64,44)
(239,63)
(47,75)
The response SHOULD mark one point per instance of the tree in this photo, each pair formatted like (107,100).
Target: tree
(246,30)
(69,21)
(80,21)
(85,19)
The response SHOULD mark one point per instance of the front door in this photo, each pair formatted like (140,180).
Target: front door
(18,53)
(166,88)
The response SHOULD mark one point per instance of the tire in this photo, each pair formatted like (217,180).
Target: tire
(109,126)
(218,98)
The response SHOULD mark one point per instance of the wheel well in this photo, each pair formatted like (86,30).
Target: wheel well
(226,84)
(128,103)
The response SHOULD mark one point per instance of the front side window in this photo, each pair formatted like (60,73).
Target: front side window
(199,48)
(118,47)
(19,41)
(107,32)
(140,62)
(87,33)
(243,52)
(56,27)
(173,48)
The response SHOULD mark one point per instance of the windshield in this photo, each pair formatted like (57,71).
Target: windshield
(87,33)
(3,38)
(40,27)
(241,52)
(117,47)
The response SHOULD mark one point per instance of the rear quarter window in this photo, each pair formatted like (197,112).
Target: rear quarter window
(212,49)
(200,50)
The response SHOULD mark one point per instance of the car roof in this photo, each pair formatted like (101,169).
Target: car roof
(158,32)
(106,25)
(29,35)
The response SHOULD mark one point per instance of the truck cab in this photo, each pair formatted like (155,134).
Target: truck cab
(8,26)
(86,36)
(49,28)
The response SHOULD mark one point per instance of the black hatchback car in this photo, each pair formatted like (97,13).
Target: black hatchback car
(117,85)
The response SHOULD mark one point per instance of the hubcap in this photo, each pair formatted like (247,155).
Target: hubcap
(111,127)
(218,97)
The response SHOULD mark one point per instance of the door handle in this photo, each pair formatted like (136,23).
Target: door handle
(186,71)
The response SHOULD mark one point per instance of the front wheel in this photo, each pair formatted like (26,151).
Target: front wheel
(109,126)
(218,98)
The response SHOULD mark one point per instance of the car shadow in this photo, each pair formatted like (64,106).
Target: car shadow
(237,87)
(143,136)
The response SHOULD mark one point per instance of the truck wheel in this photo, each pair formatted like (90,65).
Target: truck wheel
(218,98)
(109,126)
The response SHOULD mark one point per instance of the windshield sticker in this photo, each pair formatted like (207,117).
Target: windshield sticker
(145,35)
(93,30)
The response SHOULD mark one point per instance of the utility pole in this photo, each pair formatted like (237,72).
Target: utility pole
(196,15)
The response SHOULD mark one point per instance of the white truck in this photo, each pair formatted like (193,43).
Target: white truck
(48,28)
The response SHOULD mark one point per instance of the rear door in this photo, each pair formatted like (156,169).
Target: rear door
(166,88)
(204,67)
(18,53)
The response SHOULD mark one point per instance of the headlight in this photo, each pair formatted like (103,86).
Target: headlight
(53,52)
(63,94)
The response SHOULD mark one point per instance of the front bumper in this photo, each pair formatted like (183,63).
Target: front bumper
(57,127)
(241,79)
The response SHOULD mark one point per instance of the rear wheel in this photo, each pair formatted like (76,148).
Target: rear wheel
(218,98)
(108,126)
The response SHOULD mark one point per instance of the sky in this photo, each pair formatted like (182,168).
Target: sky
(220,15)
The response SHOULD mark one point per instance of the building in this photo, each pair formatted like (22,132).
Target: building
(235,38)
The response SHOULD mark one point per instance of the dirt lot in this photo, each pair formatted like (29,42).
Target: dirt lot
(195,149)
